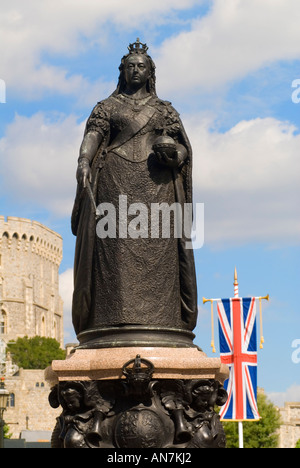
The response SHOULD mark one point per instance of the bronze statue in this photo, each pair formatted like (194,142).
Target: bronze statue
(135,284)
(142,286)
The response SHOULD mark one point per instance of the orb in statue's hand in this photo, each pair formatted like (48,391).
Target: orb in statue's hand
(165,144)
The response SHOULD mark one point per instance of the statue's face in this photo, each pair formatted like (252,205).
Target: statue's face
(72,398)
(136,70)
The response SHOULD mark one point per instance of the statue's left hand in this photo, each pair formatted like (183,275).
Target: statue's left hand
(83,173)
(166,160)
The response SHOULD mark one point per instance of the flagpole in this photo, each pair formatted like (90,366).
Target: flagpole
(236,294)
(236,298)
(241,435)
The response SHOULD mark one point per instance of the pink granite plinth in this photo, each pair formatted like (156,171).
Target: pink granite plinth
(107,363)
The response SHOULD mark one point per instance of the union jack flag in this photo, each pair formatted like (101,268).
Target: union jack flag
(238,349)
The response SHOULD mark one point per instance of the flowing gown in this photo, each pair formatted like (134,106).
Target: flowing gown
(120,280)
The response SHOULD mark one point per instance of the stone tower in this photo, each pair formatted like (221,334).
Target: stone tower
(30,305)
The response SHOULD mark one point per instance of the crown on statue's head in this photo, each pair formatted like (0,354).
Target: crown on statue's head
(137,47)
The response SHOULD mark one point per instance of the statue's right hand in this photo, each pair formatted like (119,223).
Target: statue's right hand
(83,173)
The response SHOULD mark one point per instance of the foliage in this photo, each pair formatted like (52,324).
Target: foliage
(35,353)
(297,444)
(6,433)
(257,434)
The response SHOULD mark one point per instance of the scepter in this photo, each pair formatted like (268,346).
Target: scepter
(90,193)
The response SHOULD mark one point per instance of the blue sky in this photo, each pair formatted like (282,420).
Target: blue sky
(228,68)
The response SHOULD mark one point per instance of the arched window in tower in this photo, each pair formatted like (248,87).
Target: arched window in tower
(5,239)
(2,350)
(12,400)
(43,327)
(3,322)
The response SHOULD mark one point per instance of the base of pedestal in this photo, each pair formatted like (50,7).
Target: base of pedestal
(135,335)
(104,364)
(136,397)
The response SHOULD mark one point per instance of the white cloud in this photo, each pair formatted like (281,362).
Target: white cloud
(66,293)
(292,394)
(237,37)
(30,30)
(66,288)
(234,38)
(248,180)
(259,153)
(39,161)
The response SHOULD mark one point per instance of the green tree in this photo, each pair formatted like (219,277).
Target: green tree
(6,433)
(35,353)
(298,444)
(257,434)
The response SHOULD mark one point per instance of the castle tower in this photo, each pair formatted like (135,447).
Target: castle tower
(30,305)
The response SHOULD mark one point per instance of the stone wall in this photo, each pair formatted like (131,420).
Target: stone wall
(29,407)
(30,305)
(289,432)
(30,255)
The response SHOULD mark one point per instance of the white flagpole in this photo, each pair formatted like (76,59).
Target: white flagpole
(241,437)
(236,294)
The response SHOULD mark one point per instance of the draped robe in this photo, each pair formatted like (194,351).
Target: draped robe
(133,281)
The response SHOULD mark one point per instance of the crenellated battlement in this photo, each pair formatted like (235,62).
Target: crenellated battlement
(30,256)
(24,234)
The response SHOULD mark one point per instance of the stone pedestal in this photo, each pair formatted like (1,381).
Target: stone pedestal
(138,397)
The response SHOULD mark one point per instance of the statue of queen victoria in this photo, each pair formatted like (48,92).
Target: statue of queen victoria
(135,296)
(141,290)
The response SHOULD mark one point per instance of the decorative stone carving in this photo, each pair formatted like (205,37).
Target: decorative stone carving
(138,411)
